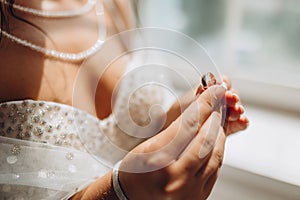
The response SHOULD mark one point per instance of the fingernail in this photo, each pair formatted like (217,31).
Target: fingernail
(242,109)
(236,97)
(246,120)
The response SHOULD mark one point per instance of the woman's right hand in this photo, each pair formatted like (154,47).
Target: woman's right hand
(183,161)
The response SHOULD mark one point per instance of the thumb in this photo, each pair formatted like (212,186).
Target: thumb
(183,130)
(178,135)
(167,146)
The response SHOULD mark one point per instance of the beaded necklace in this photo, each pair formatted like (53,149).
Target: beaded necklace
(73,57)
(54,13)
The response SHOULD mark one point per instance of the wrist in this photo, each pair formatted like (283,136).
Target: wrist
(102,188)
(117,188)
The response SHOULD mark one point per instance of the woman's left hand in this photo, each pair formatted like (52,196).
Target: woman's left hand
(235,120)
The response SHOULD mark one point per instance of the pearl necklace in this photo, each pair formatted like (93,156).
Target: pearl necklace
(71,57)
(55,14)
(56,54)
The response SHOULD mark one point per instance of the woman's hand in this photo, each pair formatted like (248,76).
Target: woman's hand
(183,161)
(235,121)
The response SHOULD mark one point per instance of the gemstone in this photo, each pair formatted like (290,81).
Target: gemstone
(15,149)
(63,136)
(22,118)
(42,112)
(43,122)
(58,126)
(38,131)
(20,110)
(43,173)
(69,156)
(20,127)
(36,118)
(29,126)
(70,121)
(66,142)
(9,130)
(21,135)
(27,134)
(49,128)
(58,141)
(13,106)
(24,103)
(29,110)
(48,108)
(56,108)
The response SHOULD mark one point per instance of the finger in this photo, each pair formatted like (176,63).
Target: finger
(173,140)
(186,126)
(234,113)
(165,148)
(231,98)
(215,161)
(210,183)
(201,147)
(240,124)
(209,179)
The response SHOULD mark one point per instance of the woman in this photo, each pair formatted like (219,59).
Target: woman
(43,144)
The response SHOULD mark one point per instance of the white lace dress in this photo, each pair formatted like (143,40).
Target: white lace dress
(50,151)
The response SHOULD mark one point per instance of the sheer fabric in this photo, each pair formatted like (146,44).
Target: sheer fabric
(50,150)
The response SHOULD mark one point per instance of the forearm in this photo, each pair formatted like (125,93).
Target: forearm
(101,189)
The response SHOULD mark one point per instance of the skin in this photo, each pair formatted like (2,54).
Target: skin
(33,76)
(194,157)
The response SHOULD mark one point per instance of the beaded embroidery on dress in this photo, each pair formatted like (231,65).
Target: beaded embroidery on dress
(43,146)
(41,151)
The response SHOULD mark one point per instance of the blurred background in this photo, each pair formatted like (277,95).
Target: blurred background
(257,44)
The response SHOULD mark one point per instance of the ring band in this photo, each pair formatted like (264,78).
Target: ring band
(206,81)
(116,182)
